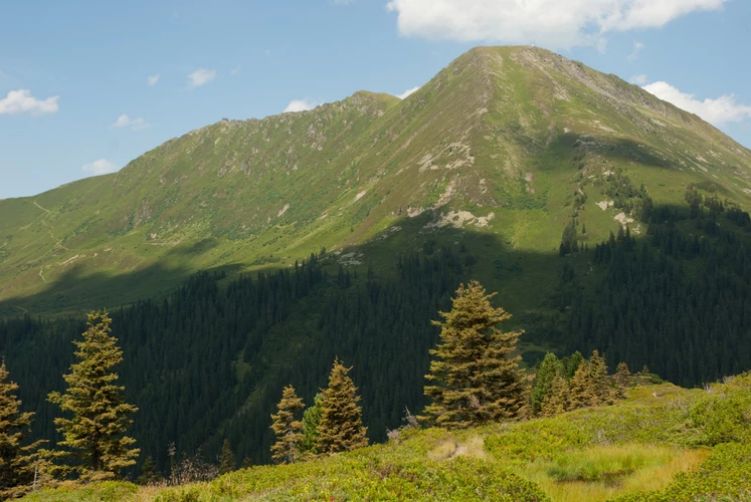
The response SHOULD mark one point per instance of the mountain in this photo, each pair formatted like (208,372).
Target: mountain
(247,255)
(593,454)
(512,141)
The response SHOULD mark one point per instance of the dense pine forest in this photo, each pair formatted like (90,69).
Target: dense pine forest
(677,300)
(193,361)
(206,364)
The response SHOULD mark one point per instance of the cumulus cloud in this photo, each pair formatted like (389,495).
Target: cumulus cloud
(22,101)
(299,105)
(552,23)
(639,79)
(717,111)
(201,76)
(134,123)
(99,166)
(152,80)
(407,92)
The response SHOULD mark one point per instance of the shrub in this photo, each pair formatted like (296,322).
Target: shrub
(724,415)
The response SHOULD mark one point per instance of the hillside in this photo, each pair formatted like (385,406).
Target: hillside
(515,142)
(604,218)
(662,443)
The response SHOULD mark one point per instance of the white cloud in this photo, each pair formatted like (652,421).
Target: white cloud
(99,166)
(152,80)
(716,111)
(407,92)
(299,105)
(639,79)
(635,51)
(553,23)
(134,123)
(201,76)
(21,101)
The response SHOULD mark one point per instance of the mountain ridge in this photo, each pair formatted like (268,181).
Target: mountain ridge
(500,140)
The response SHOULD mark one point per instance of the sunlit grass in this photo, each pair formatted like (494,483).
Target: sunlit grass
(640,449)
(604,472)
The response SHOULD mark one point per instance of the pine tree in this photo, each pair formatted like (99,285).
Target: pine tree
(590,385)
(571,363)
(340,427)
(603,390)
(549,368)
(149,473)
(622,378)
(226,458)
(556,401)
(17,460)
(582,392)
(95,435)
(287,428)
(474,376)
(310,420)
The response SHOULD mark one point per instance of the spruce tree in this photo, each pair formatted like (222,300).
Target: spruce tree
(287,428)
(556,401)
(591,385)
(582,392)
(571,363)
(310,420)
(340,427)
(149,473)
(226,458)
(622,378)
(603,390)
(17,460)
(549,368)
(95,434)
(474,376)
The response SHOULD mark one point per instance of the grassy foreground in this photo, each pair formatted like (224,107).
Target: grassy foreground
(662,443)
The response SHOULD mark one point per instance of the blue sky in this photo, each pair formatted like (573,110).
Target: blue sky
(86,86)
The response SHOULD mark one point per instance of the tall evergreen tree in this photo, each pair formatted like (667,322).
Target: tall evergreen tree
(571,363)
(340,427)
(17,460)
(556,401)
(287,428)
(604,392)
(622,378)
(591,385)
(95,434)
(582,392)
(226,458)
(310,420)
(474,376)
(549,368)
(149,472)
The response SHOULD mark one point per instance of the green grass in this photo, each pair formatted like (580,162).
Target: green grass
(598,464)
(514,131)
(641,448)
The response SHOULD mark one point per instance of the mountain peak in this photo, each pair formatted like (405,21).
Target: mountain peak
(499,137)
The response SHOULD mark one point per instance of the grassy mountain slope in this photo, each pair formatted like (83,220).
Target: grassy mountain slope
(663,443)
(513,141)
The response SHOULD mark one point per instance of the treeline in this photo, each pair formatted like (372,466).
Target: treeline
(475,377)
(677,300)
(206,364)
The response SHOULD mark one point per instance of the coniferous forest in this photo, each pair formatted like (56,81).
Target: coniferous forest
(193,361)
(206,364)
